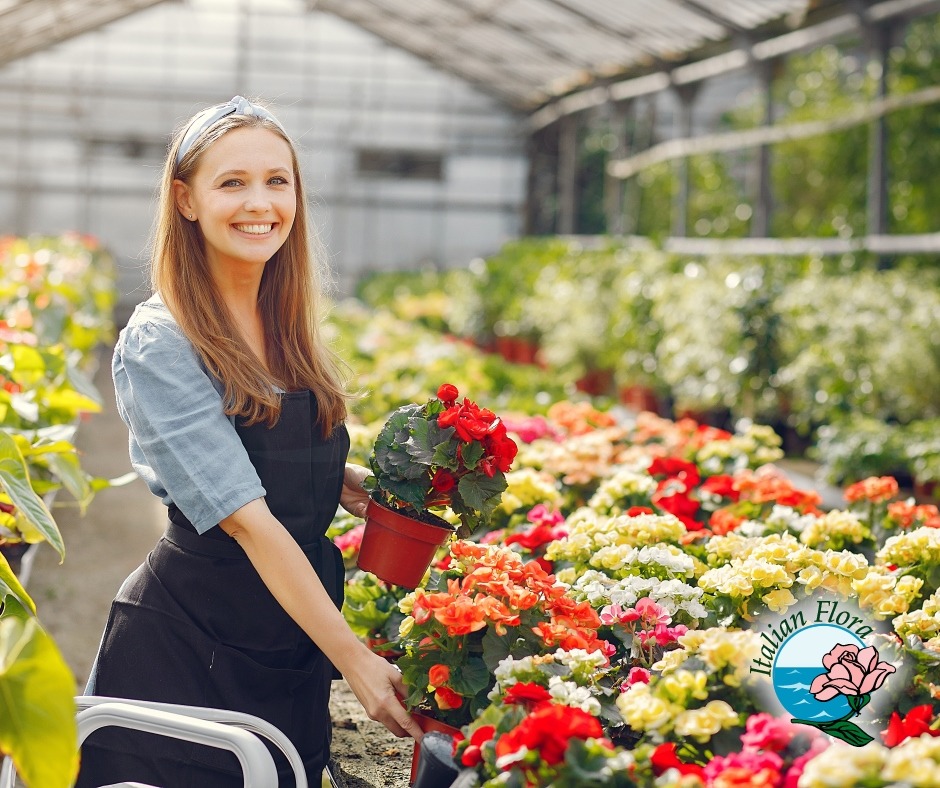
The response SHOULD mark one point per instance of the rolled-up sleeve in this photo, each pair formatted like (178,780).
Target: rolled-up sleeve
(181,442)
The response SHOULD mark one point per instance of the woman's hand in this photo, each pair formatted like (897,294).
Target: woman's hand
(354,498)
(379,688)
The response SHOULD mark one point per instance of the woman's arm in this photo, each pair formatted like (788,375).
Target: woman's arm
(288,575)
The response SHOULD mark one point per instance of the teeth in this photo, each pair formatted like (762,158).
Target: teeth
(254,229)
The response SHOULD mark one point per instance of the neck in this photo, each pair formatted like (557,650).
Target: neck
(238,287)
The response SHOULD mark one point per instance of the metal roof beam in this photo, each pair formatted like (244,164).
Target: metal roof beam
(699,8)
(789,43)
(514,99)
(87,16)
(523,33)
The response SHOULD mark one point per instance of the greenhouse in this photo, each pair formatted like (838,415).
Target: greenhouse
(470,393)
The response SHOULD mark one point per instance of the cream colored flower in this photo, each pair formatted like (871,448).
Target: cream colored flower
(842,765)
(643,711)
(778,601)
(915,762)
(683,685)
(701,724)
(834,530)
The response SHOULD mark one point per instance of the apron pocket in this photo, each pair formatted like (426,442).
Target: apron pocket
(240,683)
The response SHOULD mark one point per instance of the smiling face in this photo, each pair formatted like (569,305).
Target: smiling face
(243,197)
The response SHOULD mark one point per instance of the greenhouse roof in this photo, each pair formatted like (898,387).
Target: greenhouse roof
(557,56)
(529,52)
(27,26)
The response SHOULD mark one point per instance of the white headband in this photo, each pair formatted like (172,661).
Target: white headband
(237,106)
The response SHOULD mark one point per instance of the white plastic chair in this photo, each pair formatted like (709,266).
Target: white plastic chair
(231,730)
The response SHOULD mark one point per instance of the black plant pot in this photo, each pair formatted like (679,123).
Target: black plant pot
(436,767)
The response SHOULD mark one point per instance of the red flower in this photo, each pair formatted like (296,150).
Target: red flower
(527,693)
(438,675)
(722,486)
(636,511)
(675,468)
(500,448)
(447,699)
(447,394)
(914,723)
(443,480)
(548,730)
(474,752)
(664,758)
(471,422)
(682,506)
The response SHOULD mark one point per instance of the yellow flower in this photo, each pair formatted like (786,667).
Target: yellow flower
(842,765)
(643,711)
(702,724)
(405,627)
(683,685)
(834,529)
(778,601)
(811,577)
(915,762)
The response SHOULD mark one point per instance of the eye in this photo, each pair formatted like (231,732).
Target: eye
(230,183)
(279,180)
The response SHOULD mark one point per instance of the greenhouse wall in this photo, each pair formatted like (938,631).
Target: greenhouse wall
(405,165)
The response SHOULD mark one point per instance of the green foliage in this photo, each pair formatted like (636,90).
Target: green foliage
(32,514)
(371,606)
(37,708)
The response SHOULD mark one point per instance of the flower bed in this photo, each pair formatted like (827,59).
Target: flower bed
(789,342)
(604,628)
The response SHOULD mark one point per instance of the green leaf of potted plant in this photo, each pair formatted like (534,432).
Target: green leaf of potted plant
(425,458)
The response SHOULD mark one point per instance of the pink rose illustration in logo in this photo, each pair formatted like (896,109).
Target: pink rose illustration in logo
(855,673)
(851,672)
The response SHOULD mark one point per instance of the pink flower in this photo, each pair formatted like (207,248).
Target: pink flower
(766,732)
(350,540)
(850,672)
(635,676)
(542,515)
(747,768)
(792,778)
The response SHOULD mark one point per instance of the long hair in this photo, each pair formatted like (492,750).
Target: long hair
(289,300)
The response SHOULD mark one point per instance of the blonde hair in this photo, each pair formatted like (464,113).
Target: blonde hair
(289,299)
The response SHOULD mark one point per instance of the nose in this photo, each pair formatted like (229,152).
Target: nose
(257,200)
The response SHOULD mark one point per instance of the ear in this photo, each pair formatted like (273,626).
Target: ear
(183,198)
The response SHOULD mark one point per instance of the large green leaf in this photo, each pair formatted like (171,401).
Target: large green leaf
(14,479)
(476,490)
(37,707)
(472,677)
(67,468)
(11,586)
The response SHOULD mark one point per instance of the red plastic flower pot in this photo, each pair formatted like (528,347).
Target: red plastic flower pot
(399,549)
(427,725)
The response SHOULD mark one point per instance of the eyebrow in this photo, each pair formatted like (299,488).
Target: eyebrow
(245,172)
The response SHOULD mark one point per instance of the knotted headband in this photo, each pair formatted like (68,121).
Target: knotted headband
(237,106)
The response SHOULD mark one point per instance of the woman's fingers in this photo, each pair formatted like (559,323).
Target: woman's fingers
(380,694)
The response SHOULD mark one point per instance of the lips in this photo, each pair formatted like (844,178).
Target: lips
(254,229)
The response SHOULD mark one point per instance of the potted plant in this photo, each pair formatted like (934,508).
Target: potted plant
(486,605)
(428,457)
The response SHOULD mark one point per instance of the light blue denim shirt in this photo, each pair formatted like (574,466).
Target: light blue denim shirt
(181,442)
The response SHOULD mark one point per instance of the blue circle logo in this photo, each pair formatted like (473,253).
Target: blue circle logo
(799,663)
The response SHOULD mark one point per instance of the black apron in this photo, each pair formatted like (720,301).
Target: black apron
(195,625)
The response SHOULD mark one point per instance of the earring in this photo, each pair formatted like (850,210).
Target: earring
(191,217)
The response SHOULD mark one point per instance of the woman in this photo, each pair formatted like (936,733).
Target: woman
(235,413)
